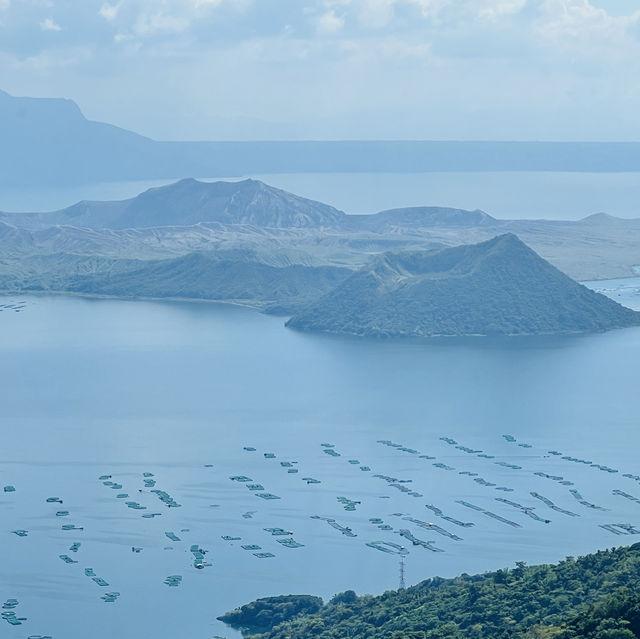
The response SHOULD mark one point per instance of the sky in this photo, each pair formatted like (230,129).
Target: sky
(334,69)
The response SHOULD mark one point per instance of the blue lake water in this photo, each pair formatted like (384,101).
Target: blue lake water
(625,291)
(105,387)
(506,195)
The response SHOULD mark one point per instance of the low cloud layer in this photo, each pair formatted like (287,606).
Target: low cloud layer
(238,69)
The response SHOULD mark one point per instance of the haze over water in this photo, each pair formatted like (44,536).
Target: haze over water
(125,388)
(505,195)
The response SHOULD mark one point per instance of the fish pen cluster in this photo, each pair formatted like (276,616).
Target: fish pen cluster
(472,474)
(17,307)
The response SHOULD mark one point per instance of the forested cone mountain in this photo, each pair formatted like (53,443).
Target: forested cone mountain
(109,248)
(497,287)
(593,597)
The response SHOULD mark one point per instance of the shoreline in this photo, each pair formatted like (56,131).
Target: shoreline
(100,296)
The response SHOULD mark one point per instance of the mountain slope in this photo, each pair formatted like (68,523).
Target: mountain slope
(526,602)
(421,217)
(230,276)
(50,142)
(189,202)
(496,287)
(241,279)
(250,222)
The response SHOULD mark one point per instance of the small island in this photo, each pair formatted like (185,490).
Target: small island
(496,287)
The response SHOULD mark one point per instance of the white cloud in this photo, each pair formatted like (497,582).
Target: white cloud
(146,18)
(49,24)
(517,58)
(198,4)
(588,31)
(398,48)
(329,23)
(110,11)
(151,23)
(376,14)
(430,8)
(493,10)
(47,64)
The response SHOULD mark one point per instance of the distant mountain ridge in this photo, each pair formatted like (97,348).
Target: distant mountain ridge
(171,241)
(422,217)
(188,202)
(497,287)
(252,202)
(47,141)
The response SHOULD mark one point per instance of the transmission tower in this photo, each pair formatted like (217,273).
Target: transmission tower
(402,584)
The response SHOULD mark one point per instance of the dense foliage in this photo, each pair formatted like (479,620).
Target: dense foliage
(567,600)
(238,276)
(497,287)
(618,617)
(271,611)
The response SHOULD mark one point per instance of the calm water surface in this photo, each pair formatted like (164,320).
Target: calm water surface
(103,387)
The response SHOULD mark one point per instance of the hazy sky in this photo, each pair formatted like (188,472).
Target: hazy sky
(326,69)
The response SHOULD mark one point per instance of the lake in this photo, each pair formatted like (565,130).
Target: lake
(96,388)
(505,195)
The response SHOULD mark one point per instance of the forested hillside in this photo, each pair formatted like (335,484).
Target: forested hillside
(596,596)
